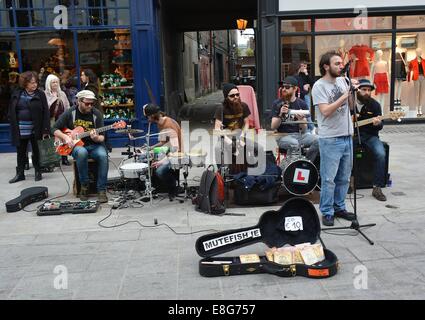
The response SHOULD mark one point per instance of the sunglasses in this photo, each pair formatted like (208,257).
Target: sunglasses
(88,104)
(234,95)
(287,87)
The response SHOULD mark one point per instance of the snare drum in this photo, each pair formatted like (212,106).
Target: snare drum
(178,160)
(299,176)
(133,170)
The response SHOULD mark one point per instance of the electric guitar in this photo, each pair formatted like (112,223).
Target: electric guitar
(394,115)
(78,134)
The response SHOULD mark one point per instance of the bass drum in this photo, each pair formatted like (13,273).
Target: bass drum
(299,176)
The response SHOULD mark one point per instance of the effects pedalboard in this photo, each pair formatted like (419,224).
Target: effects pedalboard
(53,208)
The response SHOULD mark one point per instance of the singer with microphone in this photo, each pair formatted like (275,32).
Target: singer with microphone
(333,99)
(289,109)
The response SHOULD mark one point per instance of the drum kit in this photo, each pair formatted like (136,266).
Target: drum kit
(136,169)
(300,176)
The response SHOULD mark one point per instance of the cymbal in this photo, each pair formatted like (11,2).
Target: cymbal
(228,133)
(129,131)
(297,122)
(176,154)
(276,134)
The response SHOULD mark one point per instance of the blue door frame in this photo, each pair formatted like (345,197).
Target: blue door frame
(146,63)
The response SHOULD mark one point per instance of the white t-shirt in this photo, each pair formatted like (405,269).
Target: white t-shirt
(338,124)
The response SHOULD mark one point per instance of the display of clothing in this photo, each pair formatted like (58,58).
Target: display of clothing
(343,54)
(400,66)
(362,53)
(381,82)
(414,66)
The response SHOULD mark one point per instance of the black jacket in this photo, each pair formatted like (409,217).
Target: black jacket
(370,110)
(39,112)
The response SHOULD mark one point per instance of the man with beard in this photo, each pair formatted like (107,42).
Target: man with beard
(368,108)
(333,101)
(297,133)
(232,115)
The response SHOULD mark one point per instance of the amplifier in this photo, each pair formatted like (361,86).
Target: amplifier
(366,168)
(27,197)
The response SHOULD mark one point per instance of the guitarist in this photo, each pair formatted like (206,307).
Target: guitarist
(88,117)
(368,108)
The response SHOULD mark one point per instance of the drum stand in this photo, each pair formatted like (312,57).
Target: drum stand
(355,223)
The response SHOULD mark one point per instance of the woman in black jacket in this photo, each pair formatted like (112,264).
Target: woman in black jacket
(29,121)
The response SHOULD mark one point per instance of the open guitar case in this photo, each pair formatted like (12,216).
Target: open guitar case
(275,229)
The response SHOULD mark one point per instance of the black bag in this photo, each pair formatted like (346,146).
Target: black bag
(48,155)
(275,230)
(210,198)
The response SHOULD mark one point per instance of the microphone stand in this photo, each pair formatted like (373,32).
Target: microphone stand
(355,223)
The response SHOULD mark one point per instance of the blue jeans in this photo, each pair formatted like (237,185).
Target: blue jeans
(98,153)
(377,148)
(166,175)
(336,163)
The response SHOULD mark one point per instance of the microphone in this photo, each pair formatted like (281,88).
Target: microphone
(305,113)
(346,68)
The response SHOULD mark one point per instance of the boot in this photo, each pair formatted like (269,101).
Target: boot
(20,176)
(37,169)
(84,193)
(38,176)
(65,161)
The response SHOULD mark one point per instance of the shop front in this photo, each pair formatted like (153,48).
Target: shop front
(384,45)
(96,35)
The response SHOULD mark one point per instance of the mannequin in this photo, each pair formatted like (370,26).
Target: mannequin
(380,78)
(342,51)
(400,72)
(362,54)
(417,74)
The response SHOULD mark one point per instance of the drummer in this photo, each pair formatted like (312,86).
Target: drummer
(296,133)
(172,138)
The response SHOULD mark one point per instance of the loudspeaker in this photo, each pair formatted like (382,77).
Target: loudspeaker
(366,166)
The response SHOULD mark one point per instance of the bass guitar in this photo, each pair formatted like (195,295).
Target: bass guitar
(78,134)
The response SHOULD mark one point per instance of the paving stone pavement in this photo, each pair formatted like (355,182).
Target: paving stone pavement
(134,262)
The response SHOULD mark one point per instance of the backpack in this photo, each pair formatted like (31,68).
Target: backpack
(210,198)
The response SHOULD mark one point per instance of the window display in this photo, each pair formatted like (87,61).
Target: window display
(9,70)
(409,92)
(113,65)
(369,56)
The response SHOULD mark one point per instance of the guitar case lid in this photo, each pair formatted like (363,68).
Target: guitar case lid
(294,223)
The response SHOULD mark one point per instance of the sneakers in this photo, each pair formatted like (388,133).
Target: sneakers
(377,194)
(345,215)
(102,197)
(328,220)
(84,193)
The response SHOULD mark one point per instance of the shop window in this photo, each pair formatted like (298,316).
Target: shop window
(302,25)
(409,91)
(355,23)
(9,71)
(48,53)
(294,50)
(404,22)
(369,56)
(109,55)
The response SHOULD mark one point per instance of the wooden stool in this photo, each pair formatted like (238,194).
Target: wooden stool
(92,178)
